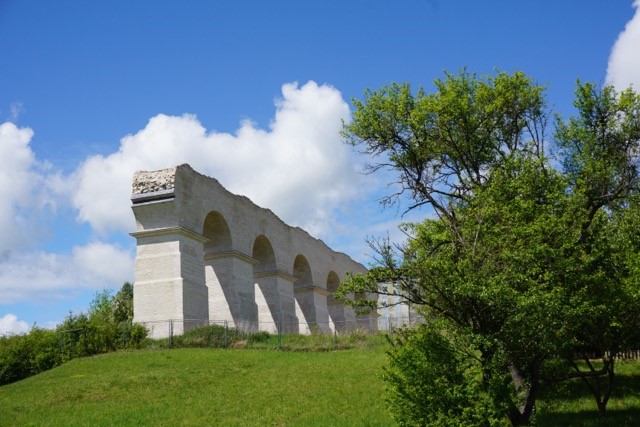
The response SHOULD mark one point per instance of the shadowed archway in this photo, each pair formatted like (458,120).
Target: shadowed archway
(266,285)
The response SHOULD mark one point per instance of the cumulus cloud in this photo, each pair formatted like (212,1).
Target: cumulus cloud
(9,325)
(623,69)
(298,167)
(28,195)
(37,276)
(23,195)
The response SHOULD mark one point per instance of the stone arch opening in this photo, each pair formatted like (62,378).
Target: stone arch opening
(265,275)
(216,230)
(263,253)
(333,281)
(304,292)
(302,272)
(335,307)
(227,276)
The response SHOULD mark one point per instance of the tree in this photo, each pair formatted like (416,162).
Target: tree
(599,150)
(521,256)
(123,303)
(107,325)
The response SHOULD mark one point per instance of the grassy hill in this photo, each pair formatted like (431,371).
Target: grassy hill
(203,387)
(255,387)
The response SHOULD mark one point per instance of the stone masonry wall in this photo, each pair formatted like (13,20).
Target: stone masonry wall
(202,252)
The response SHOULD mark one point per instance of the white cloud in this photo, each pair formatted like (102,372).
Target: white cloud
(101,264)
(22,191)
(299,168)
(9,325)
(624,61)
(37,276)
(27,200)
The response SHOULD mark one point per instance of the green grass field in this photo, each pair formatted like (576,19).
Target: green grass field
(571,403)
(254,387)
(204,387)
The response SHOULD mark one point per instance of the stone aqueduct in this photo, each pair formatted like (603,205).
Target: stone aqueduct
(204,253)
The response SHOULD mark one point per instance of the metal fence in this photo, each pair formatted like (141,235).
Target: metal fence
(260,334)
(228,333)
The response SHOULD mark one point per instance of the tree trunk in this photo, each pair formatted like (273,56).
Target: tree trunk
(527,392)
(596,386)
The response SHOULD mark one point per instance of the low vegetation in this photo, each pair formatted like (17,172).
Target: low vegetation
(217,336)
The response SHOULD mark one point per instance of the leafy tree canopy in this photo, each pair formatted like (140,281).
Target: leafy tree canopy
(533,243)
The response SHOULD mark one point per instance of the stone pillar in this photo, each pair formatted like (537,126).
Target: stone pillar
(350,322)
(229,278)
(169,279)
(350,318)
(368,321)
(336,313)
(277,287)
(313,304)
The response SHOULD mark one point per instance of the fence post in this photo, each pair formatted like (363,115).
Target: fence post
(171,333)
(280,332)
(226,328)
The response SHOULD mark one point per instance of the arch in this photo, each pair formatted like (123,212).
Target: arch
(302,272)
(216,230)
(265,255)
(227,276)
(335,307)
(333,281)
(303,291)
(266,285)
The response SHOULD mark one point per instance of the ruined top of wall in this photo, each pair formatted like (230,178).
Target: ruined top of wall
(153,181)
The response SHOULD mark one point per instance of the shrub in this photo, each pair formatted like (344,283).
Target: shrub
(24,355)
(432,382)
(215,336)
(258,337)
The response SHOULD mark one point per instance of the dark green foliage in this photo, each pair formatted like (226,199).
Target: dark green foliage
(123,304)
(24,355)
(107,326)
(433,383)
(258,337)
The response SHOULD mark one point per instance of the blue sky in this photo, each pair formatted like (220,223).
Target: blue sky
(91,91)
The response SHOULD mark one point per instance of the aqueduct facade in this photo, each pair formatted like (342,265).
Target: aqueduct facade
(204,253)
